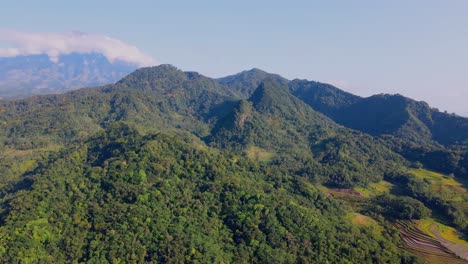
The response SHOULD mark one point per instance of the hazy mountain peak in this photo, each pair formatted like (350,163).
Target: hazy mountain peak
(36,74)
(247,81)
(254,71)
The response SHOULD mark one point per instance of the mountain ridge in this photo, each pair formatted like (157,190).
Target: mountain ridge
(339,105)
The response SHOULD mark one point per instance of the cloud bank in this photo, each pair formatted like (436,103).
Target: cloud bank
(55,44)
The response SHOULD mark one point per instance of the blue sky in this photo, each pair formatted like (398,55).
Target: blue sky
(415,48)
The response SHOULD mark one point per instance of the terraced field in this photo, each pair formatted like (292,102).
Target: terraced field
(431,249)
(448,236)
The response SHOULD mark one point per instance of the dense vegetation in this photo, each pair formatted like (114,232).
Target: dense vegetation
(312,144)
(400,207)
(123,197)
(172,166)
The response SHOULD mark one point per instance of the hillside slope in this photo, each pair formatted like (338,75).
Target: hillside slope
(274,120)
(161,98)
(413,129)
(123,197)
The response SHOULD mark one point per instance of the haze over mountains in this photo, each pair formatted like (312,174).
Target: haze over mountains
(23,76)
(40,63)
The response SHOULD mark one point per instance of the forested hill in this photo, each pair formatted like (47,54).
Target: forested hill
(404,118)
(275,122)
(322,97)
(164,97)
(123,197)
(411,128)
(377,115)
(167,166)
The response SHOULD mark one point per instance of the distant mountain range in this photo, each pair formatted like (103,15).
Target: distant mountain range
(24,76)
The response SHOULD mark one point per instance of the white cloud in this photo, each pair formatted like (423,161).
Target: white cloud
(55,44)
